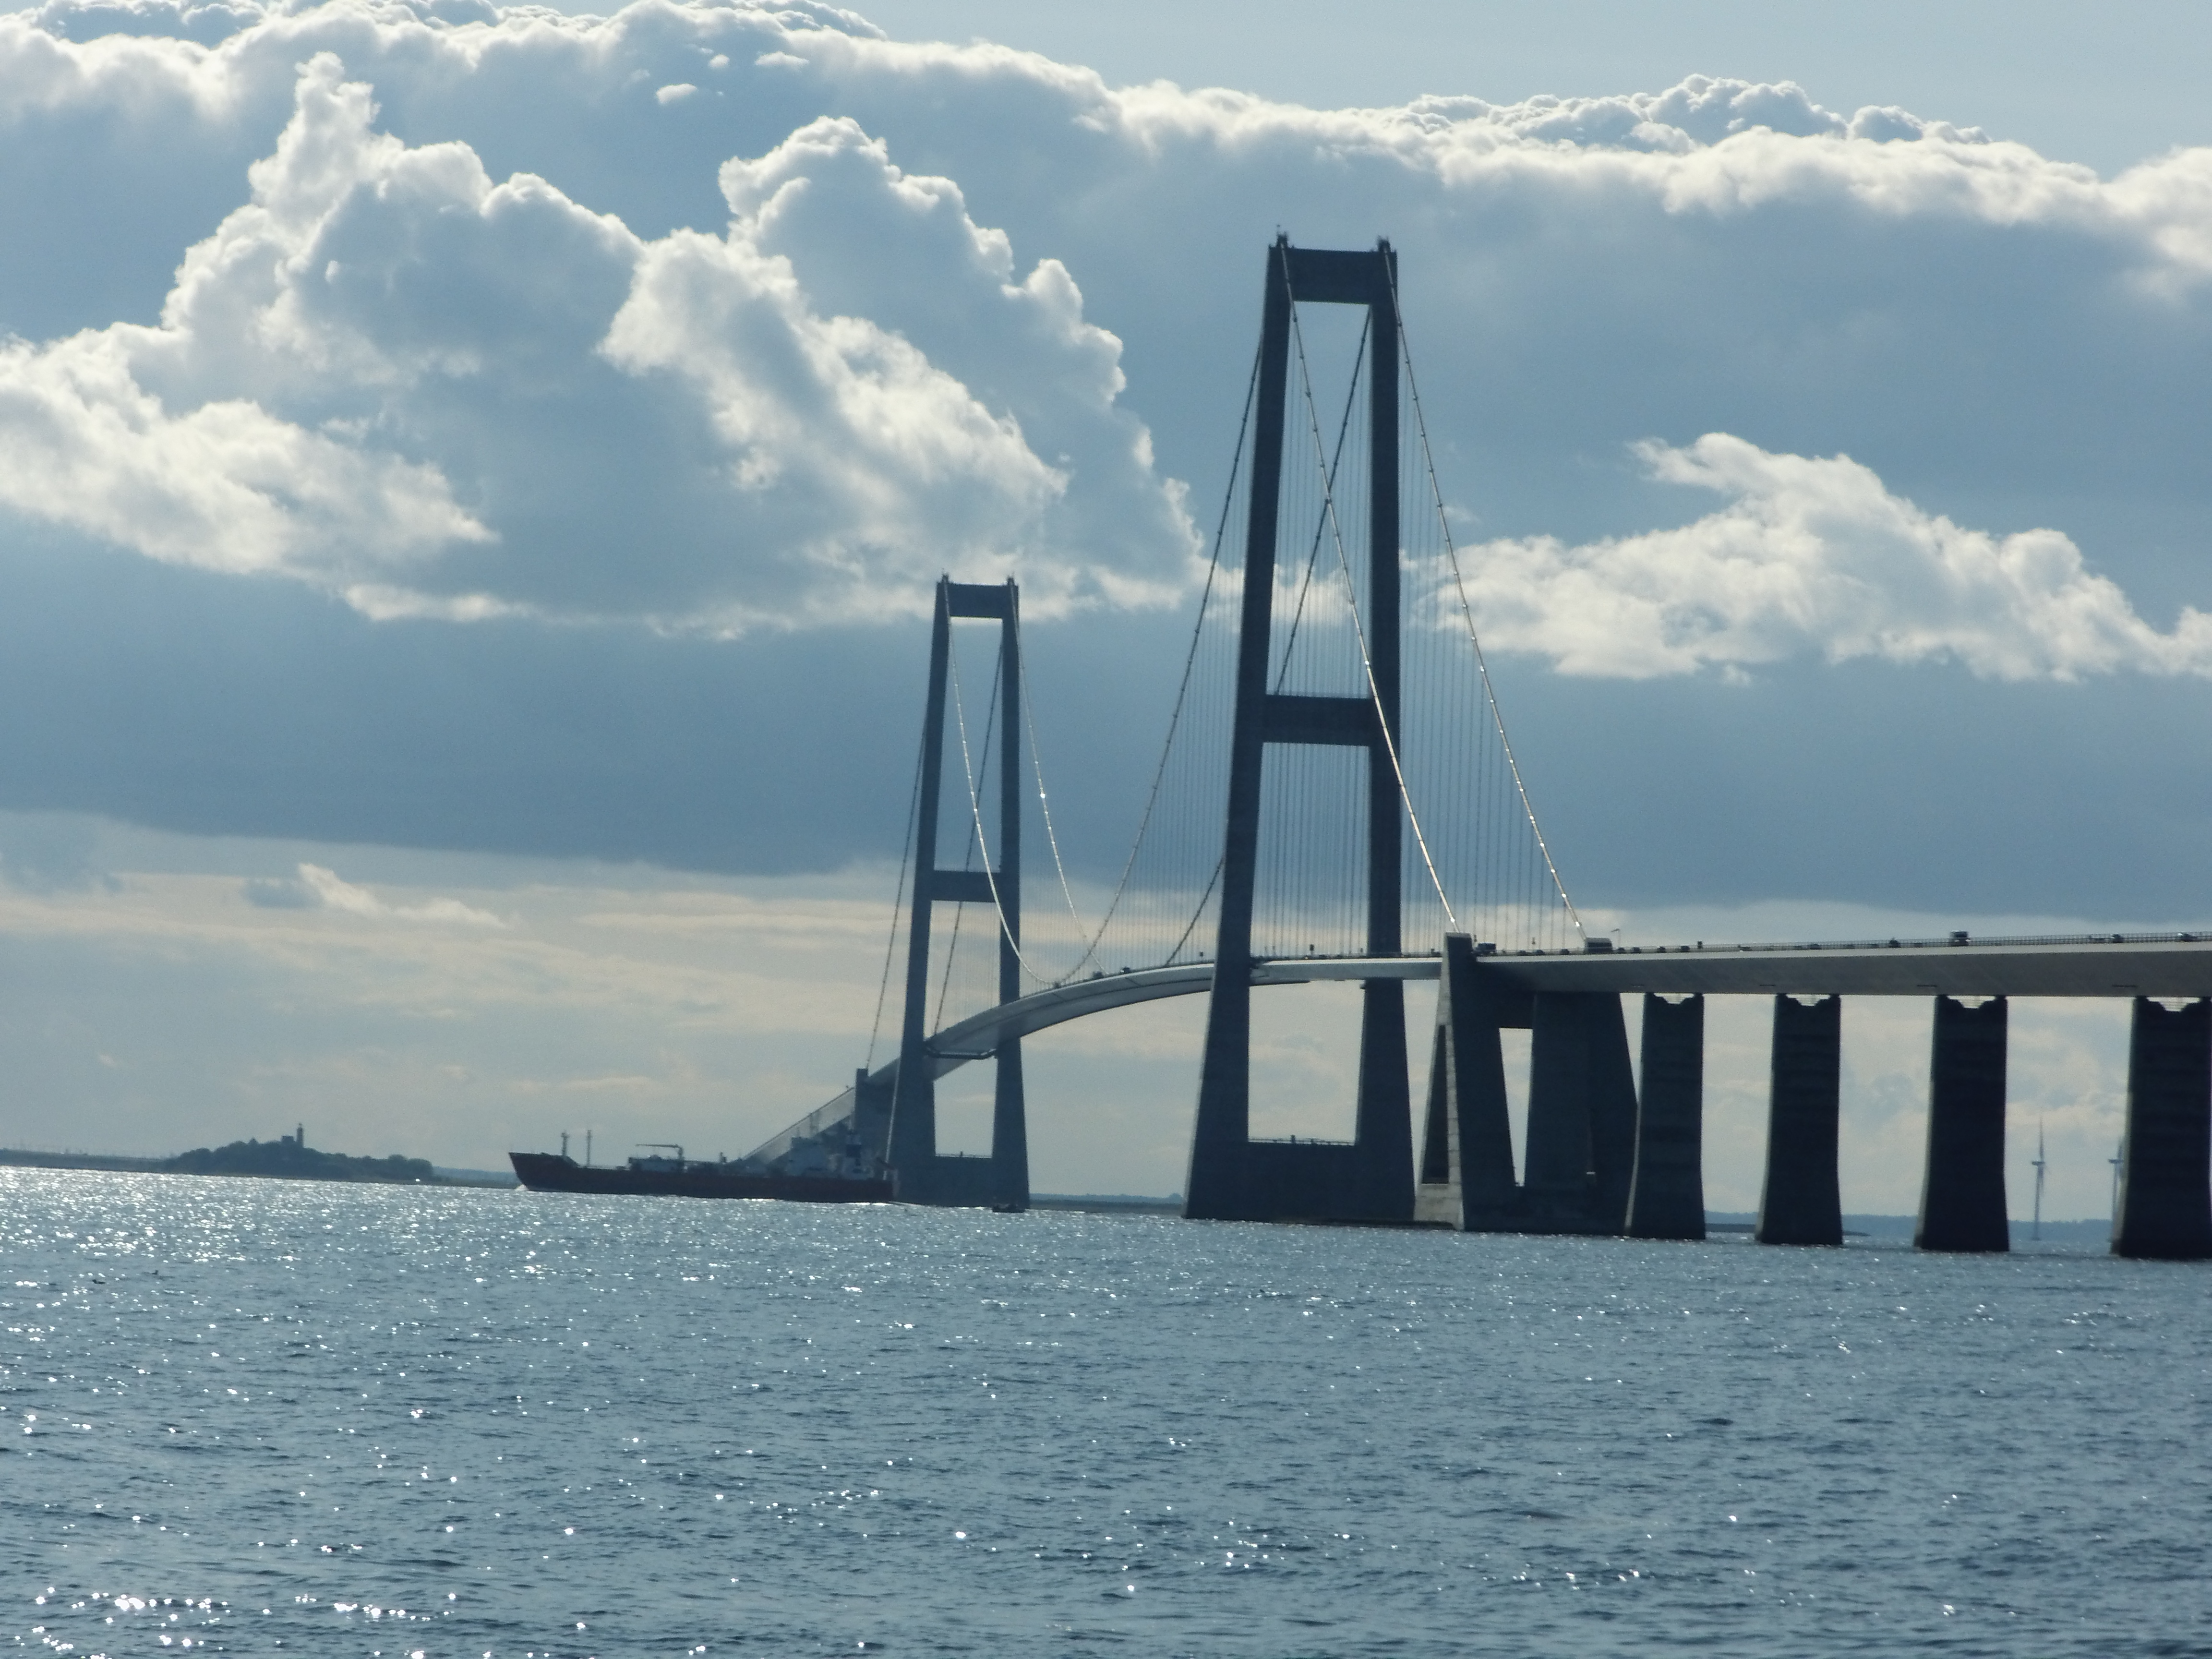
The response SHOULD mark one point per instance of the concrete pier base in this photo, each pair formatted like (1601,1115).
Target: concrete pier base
(955,1180)
(1667,1194)
(1801,1202)
(1466,1171)
(1010,1133)
(1582,1114)
(1962,1196)
(2166,1163)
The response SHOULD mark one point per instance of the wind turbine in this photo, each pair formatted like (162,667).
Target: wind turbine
(2038,1232)
(2118,1152)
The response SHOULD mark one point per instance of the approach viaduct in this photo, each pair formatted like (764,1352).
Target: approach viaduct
(1604,1156)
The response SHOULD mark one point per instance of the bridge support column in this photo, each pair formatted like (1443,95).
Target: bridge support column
(1467,1150)
(1962,1199)
(1801,1202)
(2166,1163)
(1667,1198)
(1010,1131)
(1581,1114)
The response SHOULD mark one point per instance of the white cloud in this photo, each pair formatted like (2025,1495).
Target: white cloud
(1813,557)
(317,888)
(224,485)
(387,376)
(858,452)
(529,343)
(335,893)
(439,395)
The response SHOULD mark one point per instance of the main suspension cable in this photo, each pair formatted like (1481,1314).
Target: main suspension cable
(976,809)
(1036,766)
(1182,693)
(898,902)
(975,826)
(1467,609)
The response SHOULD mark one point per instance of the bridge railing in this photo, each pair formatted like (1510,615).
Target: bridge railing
(1956,940)
(1272,968)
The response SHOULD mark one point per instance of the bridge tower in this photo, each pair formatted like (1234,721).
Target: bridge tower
(1232,1177)
(922,1175)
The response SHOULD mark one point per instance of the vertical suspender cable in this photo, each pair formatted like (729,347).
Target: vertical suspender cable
(1183,692)
(1459,579)
(1373,690)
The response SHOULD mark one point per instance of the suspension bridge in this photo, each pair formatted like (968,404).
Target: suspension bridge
(1336,798)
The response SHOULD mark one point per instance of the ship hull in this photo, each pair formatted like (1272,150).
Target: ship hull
(550,1172)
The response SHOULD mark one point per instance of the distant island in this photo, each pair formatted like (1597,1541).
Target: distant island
(287,1158)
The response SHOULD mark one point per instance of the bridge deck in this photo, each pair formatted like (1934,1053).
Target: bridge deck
(2121,966)
(2164,965)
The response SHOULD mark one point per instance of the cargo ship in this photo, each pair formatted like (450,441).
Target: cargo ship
(659,1177)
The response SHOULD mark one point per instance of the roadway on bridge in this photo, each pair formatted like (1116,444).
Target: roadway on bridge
(2164,965)
(2126,967)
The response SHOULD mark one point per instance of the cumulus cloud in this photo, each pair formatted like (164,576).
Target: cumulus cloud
(433,394)
(469,321)
(224,485)
(924,459)
(595,390)
(316,888)
(1814,556)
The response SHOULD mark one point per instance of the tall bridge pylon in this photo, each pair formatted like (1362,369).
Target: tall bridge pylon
(1233,1177)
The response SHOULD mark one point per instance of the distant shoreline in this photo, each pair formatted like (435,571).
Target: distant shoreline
(265,1161)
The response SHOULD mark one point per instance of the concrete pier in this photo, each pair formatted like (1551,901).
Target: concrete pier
(1555,1174)
(1801,1202)
(2166,1163)
(1667,1194)
(1009,1134)
(1962,1196)
(1582,1114)
(1466,1172)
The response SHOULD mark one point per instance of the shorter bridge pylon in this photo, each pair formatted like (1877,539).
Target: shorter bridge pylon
(920,1174)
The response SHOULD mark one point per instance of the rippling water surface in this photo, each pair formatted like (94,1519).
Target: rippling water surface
(253,1416)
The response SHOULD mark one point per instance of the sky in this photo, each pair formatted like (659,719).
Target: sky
(471,482)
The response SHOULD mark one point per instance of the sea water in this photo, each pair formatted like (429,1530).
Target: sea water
(254,1417)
